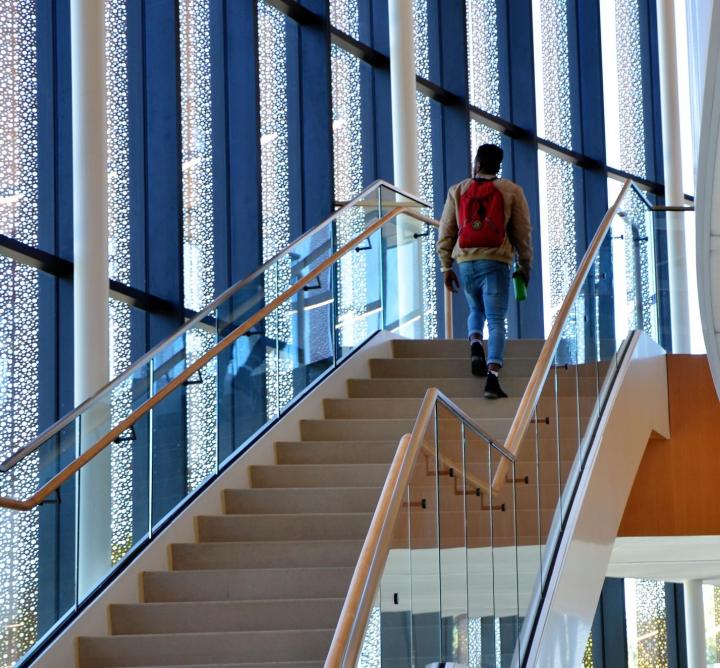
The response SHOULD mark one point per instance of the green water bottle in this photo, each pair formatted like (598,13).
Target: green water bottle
(519,287)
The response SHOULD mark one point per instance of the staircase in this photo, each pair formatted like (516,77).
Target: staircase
(263,584)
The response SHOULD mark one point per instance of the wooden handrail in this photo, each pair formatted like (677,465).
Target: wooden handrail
(73,467)
(539,375)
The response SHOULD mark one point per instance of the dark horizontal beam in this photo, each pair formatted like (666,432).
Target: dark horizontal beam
(573,157)
(439,94)
(34,257)
(148,302)
(297,12)
(301,14)
(61,268)
(500,124)
(358,49)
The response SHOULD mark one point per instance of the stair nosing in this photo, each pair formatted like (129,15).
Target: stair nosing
(229,602)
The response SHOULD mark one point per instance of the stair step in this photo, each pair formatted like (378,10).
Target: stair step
(478,408)
(270,664)
(385,430)
(461,348)
(221,616)
(204,648)
(319,475)
(311,526)
(302,499)
(335,452)
(421,528)
(547,449)
(470,386)
(399,408)
(268,554)
(448,367)
(455,388)
(346,452)
(546,470)
(389,430)
(245,584)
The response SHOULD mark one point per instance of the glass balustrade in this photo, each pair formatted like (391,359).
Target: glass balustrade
(200,398)
(449,580)
(474,542)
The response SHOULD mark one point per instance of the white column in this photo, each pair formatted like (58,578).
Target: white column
(694,624)
(699,19)
(672,167)
(404,106)
(405,151)
(90,280)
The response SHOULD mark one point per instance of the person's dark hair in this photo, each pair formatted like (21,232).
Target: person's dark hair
(488,159)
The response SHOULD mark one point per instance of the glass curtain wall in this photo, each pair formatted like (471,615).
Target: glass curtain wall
(557,184)
(428,247)
(353,317)
(711,605)
(198,241)
(350,141)
(625,95)
(483,69)
(274,161)
(646,623)
(425,165)
(19,319)
(119,242)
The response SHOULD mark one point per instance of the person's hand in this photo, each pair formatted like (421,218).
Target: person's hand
(524,273)
(451,281)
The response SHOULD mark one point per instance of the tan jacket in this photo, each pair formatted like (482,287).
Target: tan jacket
(517,228)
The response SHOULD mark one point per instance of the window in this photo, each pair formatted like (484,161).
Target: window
(711,605)
(557,183)
(274,159)
(646,623)
(344,15)
(348,171)
(198,242)
(19,320)
(425,165)
(623,85)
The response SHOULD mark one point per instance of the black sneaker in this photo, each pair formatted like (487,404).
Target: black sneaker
(492,388)
(478,364)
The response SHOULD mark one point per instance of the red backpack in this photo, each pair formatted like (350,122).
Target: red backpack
(482,216)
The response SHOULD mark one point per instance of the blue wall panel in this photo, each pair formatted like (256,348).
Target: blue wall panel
(518,93)
(651,89)
(236,156)
(316,123)
(156,229)
(56,585)
(237,197)
(675,614)
(450,122)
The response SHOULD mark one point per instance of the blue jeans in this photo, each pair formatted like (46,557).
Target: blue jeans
(487,288)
